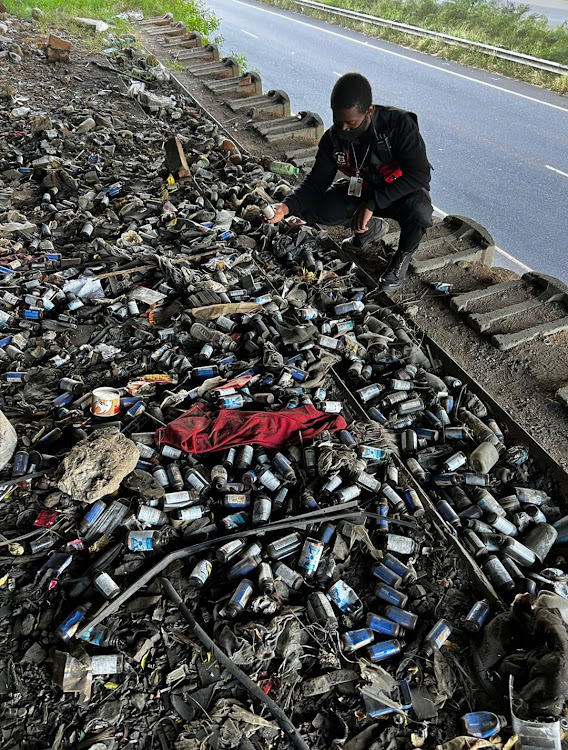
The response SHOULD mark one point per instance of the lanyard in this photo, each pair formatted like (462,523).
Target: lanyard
(357,169)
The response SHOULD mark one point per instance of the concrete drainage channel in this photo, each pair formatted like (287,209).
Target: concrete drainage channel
(345,582)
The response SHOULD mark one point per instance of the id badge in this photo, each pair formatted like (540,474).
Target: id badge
(355,187)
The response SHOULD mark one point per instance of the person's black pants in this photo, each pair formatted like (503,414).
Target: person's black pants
(413,213)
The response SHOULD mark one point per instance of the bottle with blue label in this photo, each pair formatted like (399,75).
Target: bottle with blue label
(407,573)
(385,649)
(353,640)
(243,567)
(476,616)
(386,575)
(437,636)
(345,599)
(144,540)
(483,724)
(390,595)
(310,557)
(240,598)
(71,623)
(383,625)
(407,620)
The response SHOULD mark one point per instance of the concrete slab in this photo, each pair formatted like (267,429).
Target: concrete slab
(274,104)
(245,86)
(503,342)
(461,301)
(461,228)
(306,126)
(209,53)
(225,68)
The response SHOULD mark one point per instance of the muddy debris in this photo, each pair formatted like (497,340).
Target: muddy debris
(245,507)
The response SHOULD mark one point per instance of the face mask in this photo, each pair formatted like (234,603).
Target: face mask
(352,136)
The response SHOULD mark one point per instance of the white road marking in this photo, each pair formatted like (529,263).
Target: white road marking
(553,169)
(512,259)
(335,73)
(407,57)
(254,36)
(442,215)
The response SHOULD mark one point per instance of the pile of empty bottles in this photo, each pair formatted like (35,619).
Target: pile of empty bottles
(174,379)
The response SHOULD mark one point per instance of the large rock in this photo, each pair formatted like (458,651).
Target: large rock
(96,466)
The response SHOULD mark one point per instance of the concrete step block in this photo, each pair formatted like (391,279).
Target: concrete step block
(225,68)
(461,301)
(302,157)
(547,290)
(164,20)
(460,228)
(209,53)
(176,29)
(187,41)
(246,86)
(272,105)
(506,341)
(306,126)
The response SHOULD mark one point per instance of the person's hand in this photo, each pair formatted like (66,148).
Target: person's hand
(280,211)
(360,218)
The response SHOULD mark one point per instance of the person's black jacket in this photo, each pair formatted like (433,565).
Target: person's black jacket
(407,151)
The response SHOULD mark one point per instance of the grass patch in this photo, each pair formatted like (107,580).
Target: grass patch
(193,13)
(241,61)
(484,21)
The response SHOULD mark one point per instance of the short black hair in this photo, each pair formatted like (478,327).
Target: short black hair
(352,90)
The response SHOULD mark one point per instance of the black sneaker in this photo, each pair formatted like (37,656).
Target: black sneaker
(394,276)
(358,241)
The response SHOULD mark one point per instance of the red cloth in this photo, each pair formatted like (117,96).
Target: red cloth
(391,172)
(201,430)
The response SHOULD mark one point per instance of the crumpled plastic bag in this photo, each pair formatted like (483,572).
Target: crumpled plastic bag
(8,440)
(532,645)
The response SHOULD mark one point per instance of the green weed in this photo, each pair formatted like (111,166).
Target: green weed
(193,13)
(241,61)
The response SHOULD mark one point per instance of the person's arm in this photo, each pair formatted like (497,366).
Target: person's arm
(409,152)
(318,180)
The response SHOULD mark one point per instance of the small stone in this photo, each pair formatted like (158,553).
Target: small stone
(57,49)
(28,624)
(34,655)
(41,123)
(96,466)
(144,484)
(85,126)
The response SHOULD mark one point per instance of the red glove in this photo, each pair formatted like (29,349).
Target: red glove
(391,171)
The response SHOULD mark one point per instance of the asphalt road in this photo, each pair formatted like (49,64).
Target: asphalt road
(555,10)
(499,147)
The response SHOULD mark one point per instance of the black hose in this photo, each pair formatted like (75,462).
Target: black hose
(283,721)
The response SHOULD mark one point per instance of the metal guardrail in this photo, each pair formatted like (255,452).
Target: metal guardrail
(487,49)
